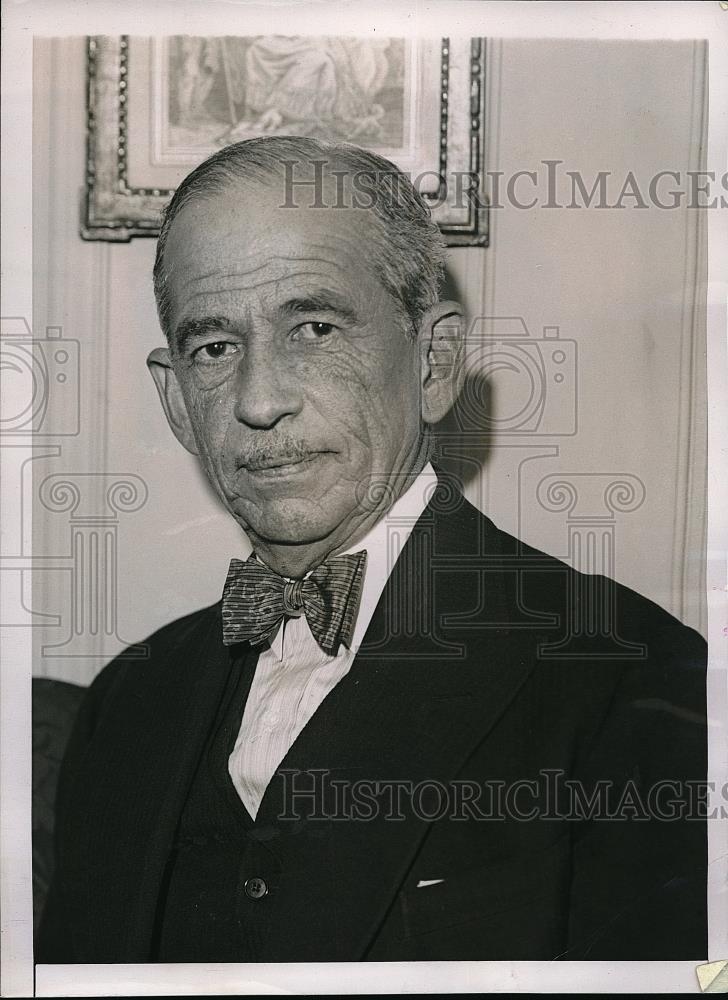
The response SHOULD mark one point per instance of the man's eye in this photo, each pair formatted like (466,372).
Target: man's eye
(220,349)
(313,331)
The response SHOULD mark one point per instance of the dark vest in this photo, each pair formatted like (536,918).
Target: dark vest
(228,877)
(214,889)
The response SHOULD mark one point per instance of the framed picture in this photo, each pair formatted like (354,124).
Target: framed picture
(159,106)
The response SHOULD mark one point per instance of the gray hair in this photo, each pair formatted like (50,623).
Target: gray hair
(412,258)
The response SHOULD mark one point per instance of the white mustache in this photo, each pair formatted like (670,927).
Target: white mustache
(278,453)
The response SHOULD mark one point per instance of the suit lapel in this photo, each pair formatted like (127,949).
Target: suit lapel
(430,680)
(162,712)
(423,692)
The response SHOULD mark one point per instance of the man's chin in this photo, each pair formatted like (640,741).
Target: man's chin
(285,521)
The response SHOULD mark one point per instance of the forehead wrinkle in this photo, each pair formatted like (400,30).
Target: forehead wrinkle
(236,274)
(232,285)
(217,282)
(326,251)
(305,257)
(266,263)
(245,272)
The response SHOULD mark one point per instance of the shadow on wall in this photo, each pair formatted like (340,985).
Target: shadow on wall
(465,426)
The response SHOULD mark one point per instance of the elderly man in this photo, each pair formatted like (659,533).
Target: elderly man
(381,743)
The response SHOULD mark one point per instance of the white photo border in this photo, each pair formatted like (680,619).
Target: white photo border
(23,20)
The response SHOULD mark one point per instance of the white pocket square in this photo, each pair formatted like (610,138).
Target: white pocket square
(424,882)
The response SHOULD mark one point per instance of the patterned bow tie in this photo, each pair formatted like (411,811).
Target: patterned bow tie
(255,601)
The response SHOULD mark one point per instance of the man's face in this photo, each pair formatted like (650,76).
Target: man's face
(299,382)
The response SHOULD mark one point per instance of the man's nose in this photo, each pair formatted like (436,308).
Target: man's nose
(266,390)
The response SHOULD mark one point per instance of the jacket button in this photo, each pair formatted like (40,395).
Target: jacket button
(255,888)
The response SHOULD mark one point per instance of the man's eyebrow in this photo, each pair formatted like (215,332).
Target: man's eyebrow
(197,326)
(321,300)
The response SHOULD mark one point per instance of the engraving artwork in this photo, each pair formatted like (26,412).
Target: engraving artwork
(346,88)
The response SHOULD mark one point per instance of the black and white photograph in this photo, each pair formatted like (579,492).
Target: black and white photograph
(364,604)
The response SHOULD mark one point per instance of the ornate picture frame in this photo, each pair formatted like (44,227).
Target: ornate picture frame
(156,108)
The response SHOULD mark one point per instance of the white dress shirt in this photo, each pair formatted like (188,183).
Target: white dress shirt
(293,674)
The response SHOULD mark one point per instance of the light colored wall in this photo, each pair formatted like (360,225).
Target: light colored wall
(621,283)
(618,283)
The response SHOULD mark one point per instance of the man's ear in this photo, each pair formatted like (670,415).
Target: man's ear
(441,340)
(170,393)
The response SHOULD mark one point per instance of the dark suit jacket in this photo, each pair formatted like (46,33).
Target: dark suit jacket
(486,664)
